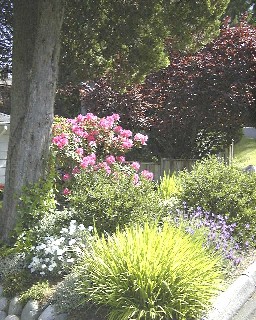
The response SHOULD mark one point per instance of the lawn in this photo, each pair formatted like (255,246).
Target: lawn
(245,152)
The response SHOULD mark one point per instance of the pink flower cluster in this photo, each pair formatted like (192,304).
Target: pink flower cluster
(92,143)
(61,141)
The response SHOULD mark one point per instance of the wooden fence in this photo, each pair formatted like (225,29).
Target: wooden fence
(167,165)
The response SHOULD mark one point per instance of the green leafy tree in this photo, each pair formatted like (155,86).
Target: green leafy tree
(197,104)
(122,36)
(127,39)
(6,21)
(237,8)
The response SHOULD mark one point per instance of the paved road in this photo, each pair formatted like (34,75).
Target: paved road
(249,132)
(248,310)
(238,302)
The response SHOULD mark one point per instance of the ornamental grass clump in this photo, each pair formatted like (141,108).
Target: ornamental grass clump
(168,186)
(150,273)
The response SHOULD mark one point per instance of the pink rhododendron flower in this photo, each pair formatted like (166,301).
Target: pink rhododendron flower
(61,140)
(92,144)
(90,116)
(89,160)
(135,165)
(66,191)
(80,151)
(108,170)
(80,118)
(115,116)
(118,129)
(66,177)
(141,138)
(136,178)
(110,159)
(127,143)
(85,134)
(77,130)
(106,124)
(120,159)
(91,137)
(125,133)
(147,174)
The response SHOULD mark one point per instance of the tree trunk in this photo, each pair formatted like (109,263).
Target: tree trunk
(37,25)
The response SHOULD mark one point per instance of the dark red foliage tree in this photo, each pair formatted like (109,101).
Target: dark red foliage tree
(196,105)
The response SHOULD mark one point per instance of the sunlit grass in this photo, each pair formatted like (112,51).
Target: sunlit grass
(245,152)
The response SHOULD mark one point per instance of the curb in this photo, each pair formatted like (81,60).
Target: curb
(229,303)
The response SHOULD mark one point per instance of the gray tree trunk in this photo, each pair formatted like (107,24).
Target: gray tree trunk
(37,25)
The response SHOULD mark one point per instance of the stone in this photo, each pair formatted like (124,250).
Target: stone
(50,314)
(250,169)
(12,317)
(62,316)
(1,291)
(3,304)
(3,315)
(15,307)
(30,311)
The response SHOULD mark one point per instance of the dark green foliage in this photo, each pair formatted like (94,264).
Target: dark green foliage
(127,39)
(16,283)
(195,106)
(238,8)
(223,190)
(6,21)
(104,201)
(36,200)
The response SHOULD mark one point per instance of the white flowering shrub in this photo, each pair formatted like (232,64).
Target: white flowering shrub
(57,253)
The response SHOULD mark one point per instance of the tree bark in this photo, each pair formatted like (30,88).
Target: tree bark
(37,25)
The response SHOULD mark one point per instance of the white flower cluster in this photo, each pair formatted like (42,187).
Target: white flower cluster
(57,254)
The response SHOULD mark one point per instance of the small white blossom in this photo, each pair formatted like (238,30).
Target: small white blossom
(72,241)
(81,227)
(57,253)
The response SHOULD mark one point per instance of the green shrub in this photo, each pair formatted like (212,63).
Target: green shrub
(109,200)
(224,190)
(16,283)
(36,200)
(150,273)
(38,291)
(66,298)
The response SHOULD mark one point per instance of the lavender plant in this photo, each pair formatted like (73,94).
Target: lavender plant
(219,234)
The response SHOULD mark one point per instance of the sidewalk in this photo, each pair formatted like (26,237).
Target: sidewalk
(238,302)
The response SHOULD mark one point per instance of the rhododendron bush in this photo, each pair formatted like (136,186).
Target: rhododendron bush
(95,180)
(91,143)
